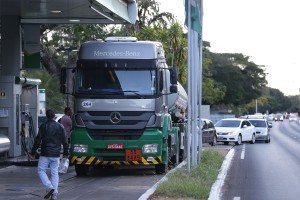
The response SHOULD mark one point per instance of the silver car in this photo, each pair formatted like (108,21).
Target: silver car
(262,130)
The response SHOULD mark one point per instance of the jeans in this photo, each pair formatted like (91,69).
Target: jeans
(44,163)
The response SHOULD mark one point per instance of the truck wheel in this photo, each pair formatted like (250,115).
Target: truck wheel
(161,168)
(181,155)
(175,158)
(214,142)
(82,170)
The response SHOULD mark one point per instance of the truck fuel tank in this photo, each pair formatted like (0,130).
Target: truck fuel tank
(177,102)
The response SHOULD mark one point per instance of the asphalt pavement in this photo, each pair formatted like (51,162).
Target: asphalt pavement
(19,180)
(266,171)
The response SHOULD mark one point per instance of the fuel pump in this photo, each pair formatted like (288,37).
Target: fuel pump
(18,114)
(29,118)
(28,131)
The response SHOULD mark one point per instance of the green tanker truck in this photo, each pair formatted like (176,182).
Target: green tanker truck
(129,108)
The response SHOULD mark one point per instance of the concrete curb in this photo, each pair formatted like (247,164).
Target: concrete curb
(18,163)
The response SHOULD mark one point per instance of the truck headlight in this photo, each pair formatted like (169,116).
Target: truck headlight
(150,148)
(80,148)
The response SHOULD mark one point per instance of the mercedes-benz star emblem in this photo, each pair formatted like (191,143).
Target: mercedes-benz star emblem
(115,117)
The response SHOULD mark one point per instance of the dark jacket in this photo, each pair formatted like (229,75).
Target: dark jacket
(51,136)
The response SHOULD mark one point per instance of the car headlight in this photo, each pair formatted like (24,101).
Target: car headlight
(232,133)
(80,148)
(150,148)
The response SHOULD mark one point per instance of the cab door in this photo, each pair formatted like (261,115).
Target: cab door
(212,132)
(205,132)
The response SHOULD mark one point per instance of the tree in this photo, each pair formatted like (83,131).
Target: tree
(211,92)
(148,15)
(54,99)
(295,104)
(174,43)
(243,80)
(262,104)
(277,102)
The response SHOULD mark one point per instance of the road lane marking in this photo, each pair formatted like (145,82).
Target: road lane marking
(236,198)
(243,152)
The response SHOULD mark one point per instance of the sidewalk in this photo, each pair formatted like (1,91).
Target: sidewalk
(18,161)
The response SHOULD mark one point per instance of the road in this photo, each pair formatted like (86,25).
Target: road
(22,182)
(263,171)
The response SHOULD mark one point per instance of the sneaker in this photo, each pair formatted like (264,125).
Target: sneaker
(49,192)
(54,197)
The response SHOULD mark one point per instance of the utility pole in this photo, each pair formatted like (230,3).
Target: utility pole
(256,111)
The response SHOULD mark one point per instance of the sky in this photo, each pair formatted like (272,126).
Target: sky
(268,31)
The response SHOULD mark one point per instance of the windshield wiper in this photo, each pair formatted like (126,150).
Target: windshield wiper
(136,93)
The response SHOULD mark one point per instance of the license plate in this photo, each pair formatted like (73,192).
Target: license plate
(133,155)
(114,146)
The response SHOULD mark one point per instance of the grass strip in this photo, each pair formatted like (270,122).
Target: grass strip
(198,183)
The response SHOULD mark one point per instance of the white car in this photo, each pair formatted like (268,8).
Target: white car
(262,129)
(292,118)
(58,117)
(235,130)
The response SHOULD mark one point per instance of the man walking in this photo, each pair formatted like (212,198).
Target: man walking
(50,137)
(66,121)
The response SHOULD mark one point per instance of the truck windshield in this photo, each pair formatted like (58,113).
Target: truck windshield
(119,80)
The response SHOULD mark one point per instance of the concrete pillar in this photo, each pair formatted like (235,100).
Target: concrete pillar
(11,46)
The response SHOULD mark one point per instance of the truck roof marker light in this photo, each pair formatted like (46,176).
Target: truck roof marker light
(121,39)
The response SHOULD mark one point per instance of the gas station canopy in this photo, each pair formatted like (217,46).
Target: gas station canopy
(15,39)
(70,11)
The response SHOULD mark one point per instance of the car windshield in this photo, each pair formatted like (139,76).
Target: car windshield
(258,123)
(228,123)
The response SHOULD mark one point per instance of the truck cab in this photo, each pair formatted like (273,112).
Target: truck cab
(126,99)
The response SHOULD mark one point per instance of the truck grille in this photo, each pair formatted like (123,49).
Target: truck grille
(101,126)
(115,134)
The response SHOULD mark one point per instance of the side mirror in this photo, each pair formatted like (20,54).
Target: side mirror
(173,89)
(245,126)
(173,75)
(63,80)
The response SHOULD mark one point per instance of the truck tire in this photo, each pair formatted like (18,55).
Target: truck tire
(161,168)
(82,170)
(181,155)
